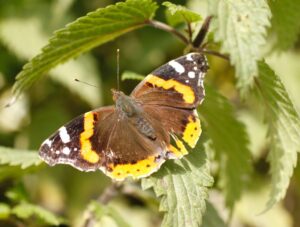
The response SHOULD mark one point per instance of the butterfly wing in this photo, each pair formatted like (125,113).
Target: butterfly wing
(179,83)
(100,139)
(183,126)
(128,152)
(171,93)
(72,145)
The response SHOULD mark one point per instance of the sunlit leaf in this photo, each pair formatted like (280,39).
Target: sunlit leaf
(182,186)
(4,211)
(21,158)
(230,142)
(129,75)
(284,131)
(241,28)
(84,34)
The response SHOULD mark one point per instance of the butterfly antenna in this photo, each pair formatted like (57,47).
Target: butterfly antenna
(85,83)
(118,69)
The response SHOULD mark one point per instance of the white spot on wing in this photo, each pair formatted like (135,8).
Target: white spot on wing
(66,150)
(189,57)
(200,82)
(187,81)
(200,79)
(191,74)
(64,136)
(177,66)
(57,152)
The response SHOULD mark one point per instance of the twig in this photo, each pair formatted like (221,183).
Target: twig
(167,28)
(110,192)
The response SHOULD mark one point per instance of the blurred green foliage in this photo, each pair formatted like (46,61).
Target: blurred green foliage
(242,145)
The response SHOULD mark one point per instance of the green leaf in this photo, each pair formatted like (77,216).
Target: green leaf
(230,142)
(21,158)
(284,131)
(241,28)
(4,211)
(129,75)
(100,212)
(17,193)
(33,29)
(211,217)
(85,33)
(182,185)
(26,210)
(177,14)
(285,22)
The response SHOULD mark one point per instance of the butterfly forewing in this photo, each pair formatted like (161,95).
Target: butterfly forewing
(71,144)
(179,83)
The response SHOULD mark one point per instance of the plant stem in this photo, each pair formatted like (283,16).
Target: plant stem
(198,40)
(211,52)
(167,28)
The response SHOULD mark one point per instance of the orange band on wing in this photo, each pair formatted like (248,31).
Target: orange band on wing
(177,153)
(186,91)
(140,169)
(192,130)
(87,153)
(179,150)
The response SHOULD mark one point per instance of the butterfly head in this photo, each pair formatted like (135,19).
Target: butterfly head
(125,104)
(117,94)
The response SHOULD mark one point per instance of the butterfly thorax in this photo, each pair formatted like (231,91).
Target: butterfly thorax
(128,107)
(125,105)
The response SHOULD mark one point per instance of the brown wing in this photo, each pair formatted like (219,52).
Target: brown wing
(100,139)
(127,151)
(71,144)
(179,83)
(182,124)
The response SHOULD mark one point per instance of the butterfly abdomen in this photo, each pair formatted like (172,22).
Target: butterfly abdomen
(145,127)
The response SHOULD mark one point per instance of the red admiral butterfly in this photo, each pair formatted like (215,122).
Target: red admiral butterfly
(136,135)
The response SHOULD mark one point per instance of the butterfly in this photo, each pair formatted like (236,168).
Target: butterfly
(156,122)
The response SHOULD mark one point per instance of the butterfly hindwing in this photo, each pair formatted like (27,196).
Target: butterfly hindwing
(130,151)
